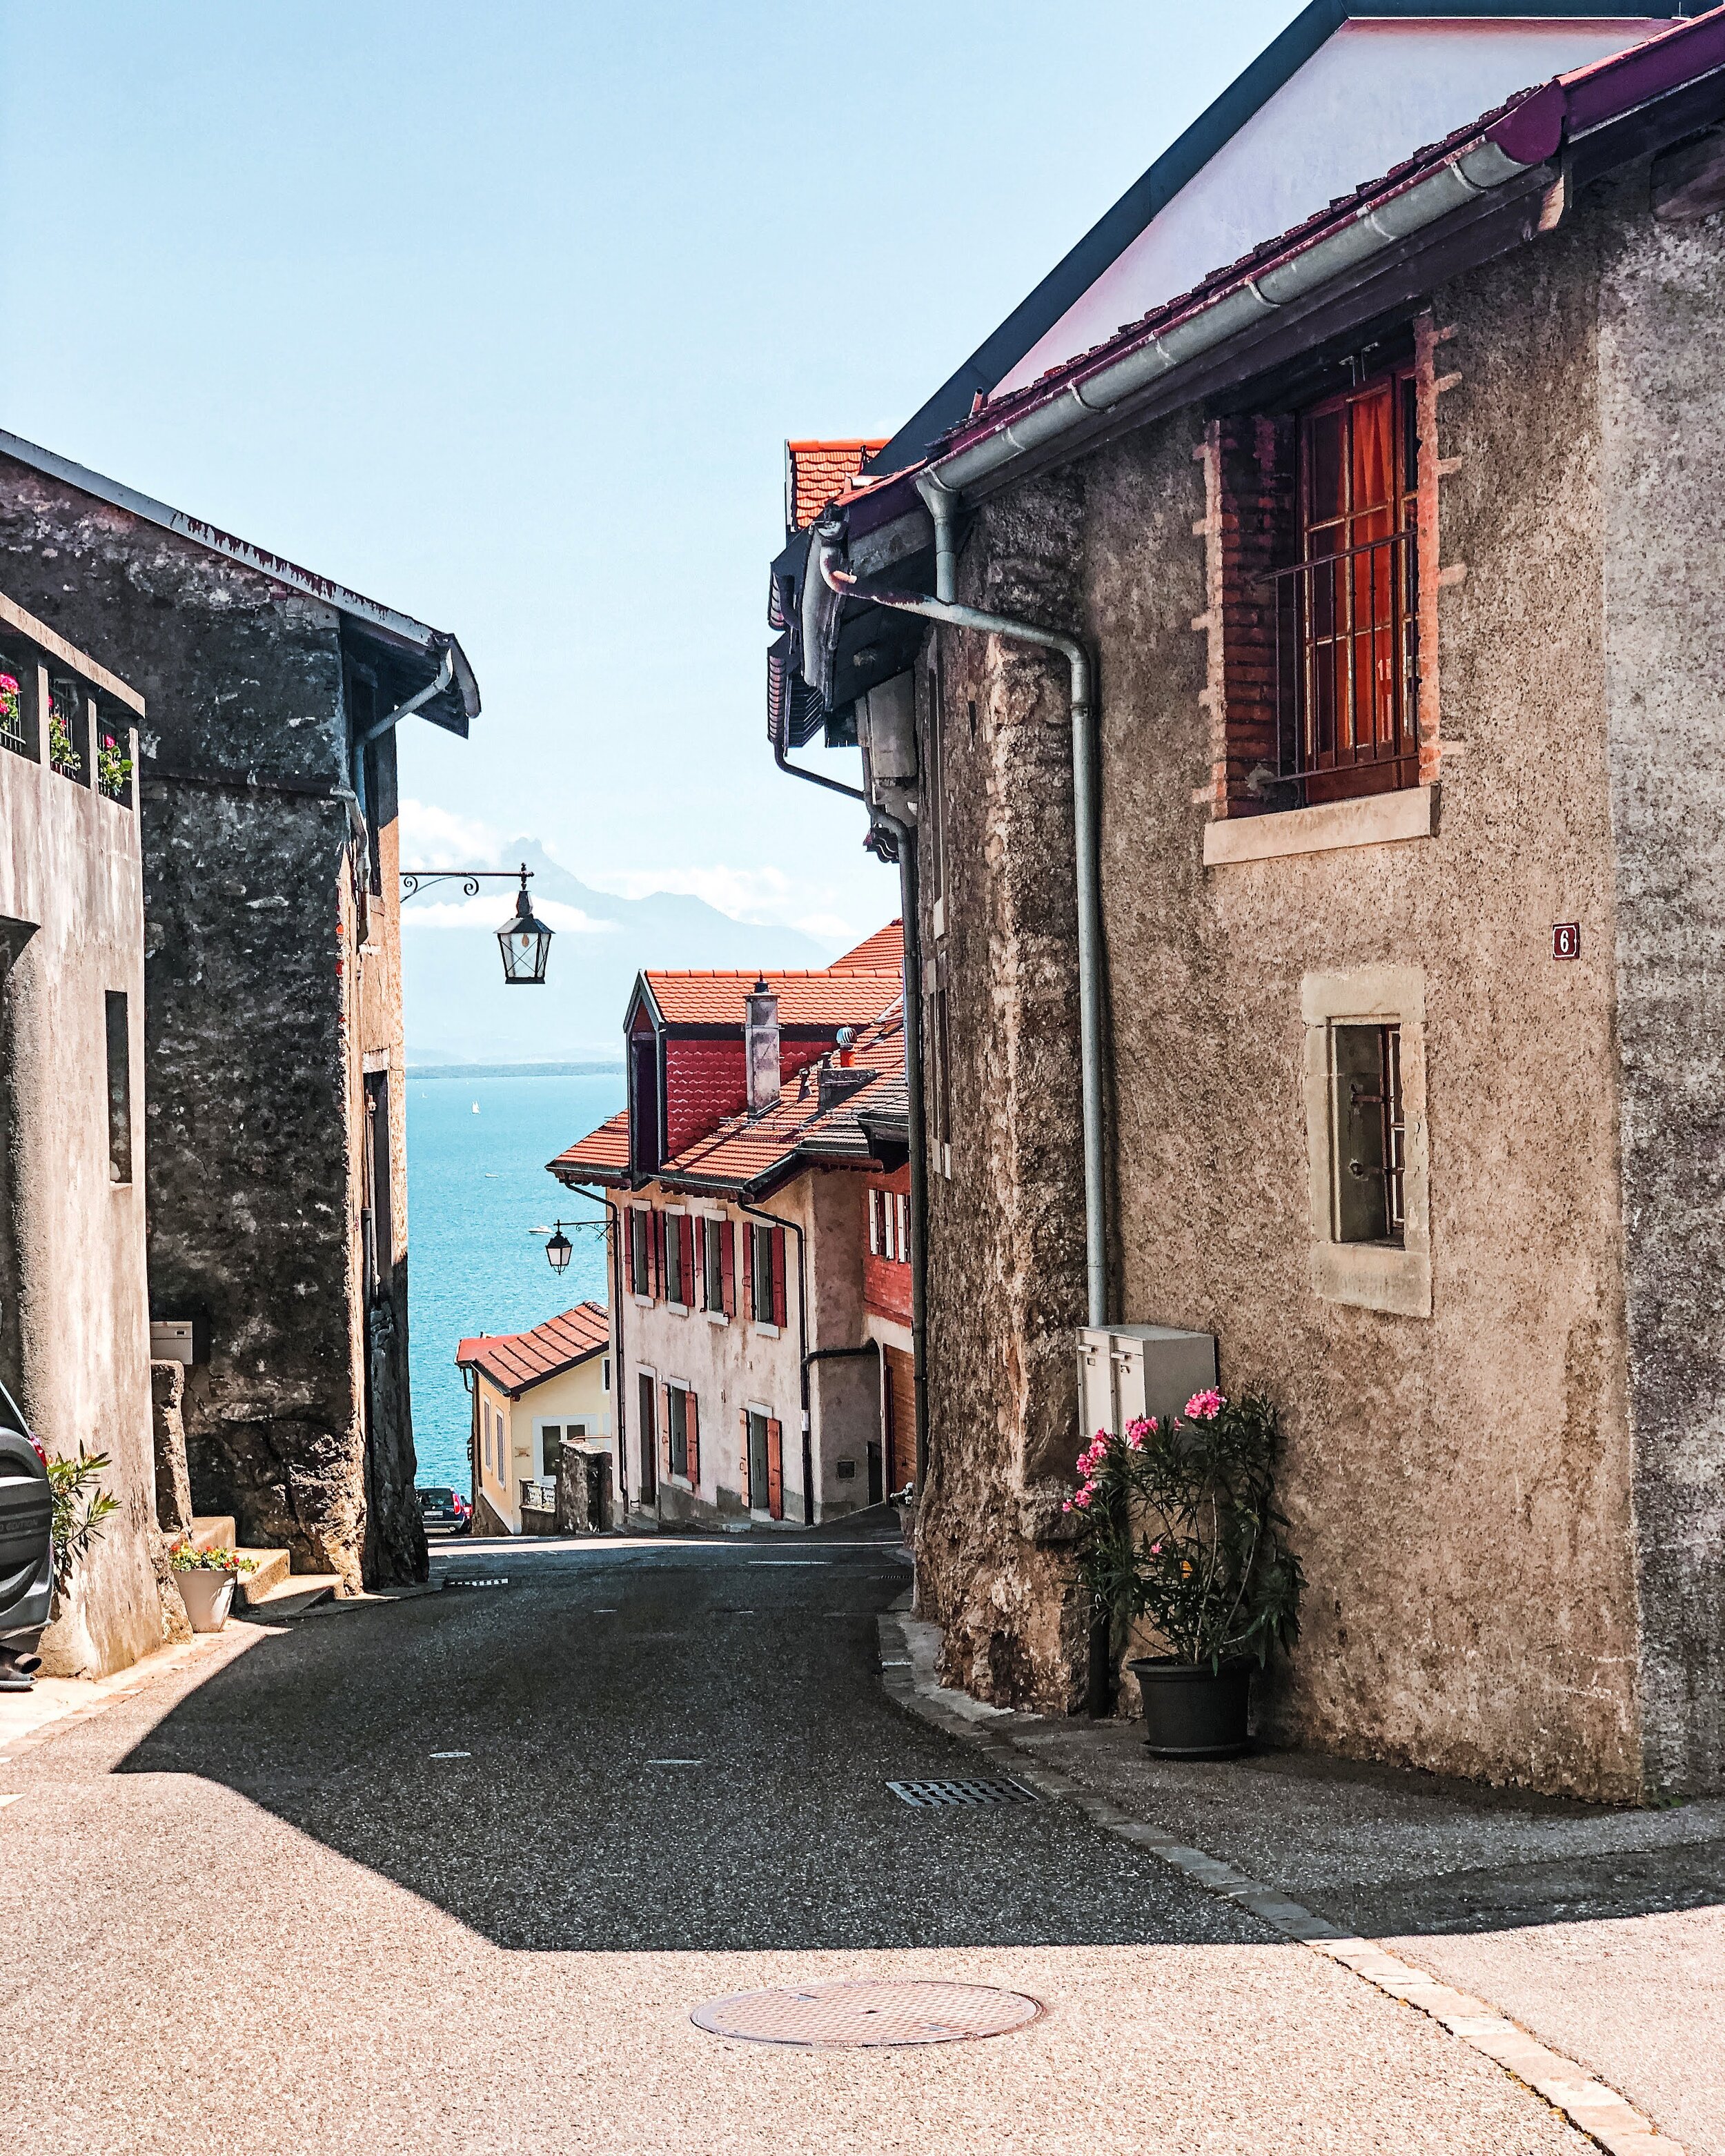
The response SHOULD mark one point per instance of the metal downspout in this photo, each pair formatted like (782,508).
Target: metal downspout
(954,615)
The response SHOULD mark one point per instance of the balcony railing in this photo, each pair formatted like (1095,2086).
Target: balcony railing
(1346,670)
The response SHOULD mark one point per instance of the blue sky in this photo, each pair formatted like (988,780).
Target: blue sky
(502,314)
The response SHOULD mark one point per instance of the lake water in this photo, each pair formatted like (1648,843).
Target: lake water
(476,1183)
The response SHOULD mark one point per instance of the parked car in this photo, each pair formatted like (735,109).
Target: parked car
(440,1508)
(26,1549)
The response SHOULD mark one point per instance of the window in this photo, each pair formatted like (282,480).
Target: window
(1369,1140)
(876,1220)
(605,1374)
(1346,610)
(640,1227)
(551,1448)
(486,1424)
(713,1265)
(68,729)
(18,684)
(119,1089)
(676,1284)
(760,1301)
(902,1214)
(677,1401)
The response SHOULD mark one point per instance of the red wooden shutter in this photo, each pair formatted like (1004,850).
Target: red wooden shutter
(727,1268)
(748,1271)
(775,1469)
(693,1426)
(748,1497)
(779,1277)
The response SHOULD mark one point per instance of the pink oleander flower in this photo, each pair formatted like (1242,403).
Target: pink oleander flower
(1155,1549)
(1067,1506)
(1205,1407)
(1081,1501)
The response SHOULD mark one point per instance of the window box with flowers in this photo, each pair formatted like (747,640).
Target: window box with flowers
(1178,1528)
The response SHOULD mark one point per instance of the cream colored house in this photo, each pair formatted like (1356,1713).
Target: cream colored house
(531,1390)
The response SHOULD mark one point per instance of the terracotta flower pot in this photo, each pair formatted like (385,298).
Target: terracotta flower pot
(207,1596)
(1195,1713)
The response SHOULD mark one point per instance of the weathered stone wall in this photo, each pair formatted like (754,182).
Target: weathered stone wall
(257,1033)
(1459,1486)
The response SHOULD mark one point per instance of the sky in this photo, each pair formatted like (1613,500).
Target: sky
(502,315)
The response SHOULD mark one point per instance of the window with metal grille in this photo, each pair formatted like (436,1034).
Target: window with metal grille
(1347,609)
(1369,1146)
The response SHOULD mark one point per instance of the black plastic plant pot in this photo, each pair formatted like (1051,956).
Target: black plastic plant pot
(1195,1713)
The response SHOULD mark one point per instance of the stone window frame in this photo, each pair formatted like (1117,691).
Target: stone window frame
(1237,828)
(1368,1275)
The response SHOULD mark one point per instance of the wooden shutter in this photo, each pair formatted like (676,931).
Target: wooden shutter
(775,1469)
(779,1277)
(691,1423)
(748,1271)
(727,1268)
(664,1427)
(743,1418)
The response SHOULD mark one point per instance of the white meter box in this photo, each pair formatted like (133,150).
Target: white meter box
(1128,1371)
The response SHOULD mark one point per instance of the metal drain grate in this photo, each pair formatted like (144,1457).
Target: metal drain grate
(817,2016)
(926,1796)
(475,1582)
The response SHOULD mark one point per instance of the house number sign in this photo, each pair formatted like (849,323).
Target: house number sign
(1566,939)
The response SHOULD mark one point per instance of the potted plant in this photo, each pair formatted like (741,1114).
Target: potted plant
(1178,1524)
(206,1580)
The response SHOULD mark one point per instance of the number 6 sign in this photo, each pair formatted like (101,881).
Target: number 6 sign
(1566,939)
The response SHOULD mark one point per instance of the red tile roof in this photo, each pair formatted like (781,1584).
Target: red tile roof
(515,1360)
(754,1152)
(828,999)
(884,953)
(815,471)
(603,1153)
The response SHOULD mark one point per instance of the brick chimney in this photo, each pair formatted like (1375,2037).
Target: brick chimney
(760,1046)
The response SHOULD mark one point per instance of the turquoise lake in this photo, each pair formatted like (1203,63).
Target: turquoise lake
(476,1184)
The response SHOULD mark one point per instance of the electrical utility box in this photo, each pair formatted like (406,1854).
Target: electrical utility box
(179,1340)
(1131,1371)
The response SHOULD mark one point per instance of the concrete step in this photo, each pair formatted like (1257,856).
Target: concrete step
(269,1567)
(292,1595)
(214,1531)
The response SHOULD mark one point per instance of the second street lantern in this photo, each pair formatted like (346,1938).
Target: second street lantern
(525,942)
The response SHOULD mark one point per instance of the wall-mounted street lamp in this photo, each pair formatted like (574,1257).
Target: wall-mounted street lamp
(559,1249)
(524,941)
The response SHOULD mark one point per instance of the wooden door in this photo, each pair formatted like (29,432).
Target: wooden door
(649,1440)
(901,1419)
(775,1468)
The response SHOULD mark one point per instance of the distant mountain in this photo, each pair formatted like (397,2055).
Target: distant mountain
(458,1008)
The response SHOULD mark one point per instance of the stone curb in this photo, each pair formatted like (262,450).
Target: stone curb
(109,1691)
(1594,2109)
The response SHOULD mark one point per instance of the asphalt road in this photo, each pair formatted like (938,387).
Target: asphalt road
(251,1906)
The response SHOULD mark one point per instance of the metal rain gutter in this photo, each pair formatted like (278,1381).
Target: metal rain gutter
(1474,172)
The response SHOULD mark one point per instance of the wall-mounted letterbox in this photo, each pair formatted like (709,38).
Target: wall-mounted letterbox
(179,1340)
(1130,1371)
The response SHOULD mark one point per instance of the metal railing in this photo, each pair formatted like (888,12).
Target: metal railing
(14,727)
(1346,628)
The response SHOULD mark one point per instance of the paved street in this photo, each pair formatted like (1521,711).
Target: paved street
(308,1931)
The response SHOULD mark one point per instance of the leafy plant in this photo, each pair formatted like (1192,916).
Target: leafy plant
(81,1511)
(184,1558)
(11,708)
(1178,1523)
(113,767)
(61,754)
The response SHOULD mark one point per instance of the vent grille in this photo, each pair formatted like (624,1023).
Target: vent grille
(928,1796)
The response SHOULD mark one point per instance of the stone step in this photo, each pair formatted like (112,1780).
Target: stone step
(269,1567)
(214,1531)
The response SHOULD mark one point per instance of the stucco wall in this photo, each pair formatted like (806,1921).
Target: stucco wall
(69,864)
(257,1027)
(1459,1486)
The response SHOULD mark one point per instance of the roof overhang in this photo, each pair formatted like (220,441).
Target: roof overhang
(413,644)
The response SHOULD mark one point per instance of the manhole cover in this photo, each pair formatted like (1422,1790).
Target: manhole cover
(926,1795)
(819,2015)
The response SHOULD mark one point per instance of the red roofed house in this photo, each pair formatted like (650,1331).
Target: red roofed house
(754,1330)
(531,1390)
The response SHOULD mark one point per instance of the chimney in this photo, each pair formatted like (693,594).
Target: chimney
(761,1049)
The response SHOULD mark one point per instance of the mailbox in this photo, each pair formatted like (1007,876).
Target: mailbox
(1128,1371)
(179,1340)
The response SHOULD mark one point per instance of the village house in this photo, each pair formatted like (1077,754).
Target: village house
(750,1322)
(276,1191)
(74,1318)
(1308,703)
(531,1392)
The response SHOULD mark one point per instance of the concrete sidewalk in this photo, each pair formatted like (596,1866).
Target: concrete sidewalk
(1600,1931)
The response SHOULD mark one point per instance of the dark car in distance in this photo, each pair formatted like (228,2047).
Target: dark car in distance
(445,1508)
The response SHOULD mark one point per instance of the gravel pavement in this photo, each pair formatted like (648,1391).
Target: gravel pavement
(248,1905)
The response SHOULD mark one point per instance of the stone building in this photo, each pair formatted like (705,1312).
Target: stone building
(74,1320)
(275,1162)
(1389,932)
(751,1380)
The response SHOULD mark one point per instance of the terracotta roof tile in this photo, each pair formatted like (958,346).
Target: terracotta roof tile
(815,471)
(825,999)
(514,1361)
(603,1153)
(884,953)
